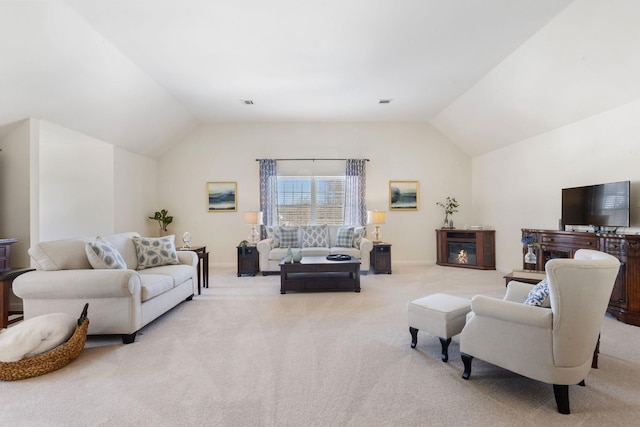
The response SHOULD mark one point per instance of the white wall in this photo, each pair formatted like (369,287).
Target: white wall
(14,191)
(520,186)
(76,184)
(398,151)
(135,179)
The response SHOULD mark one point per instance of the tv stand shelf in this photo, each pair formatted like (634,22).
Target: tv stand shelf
(624,303)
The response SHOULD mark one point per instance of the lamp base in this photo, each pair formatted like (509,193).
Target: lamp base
(253,236)
(377,236)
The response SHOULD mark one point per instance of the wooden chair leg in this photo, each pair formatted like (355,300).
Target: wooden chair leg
(444,342)
(561,393)
(466,360)
(414,336)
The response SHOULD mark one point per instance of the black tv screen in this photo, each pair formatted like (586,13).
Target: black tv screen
(602,205)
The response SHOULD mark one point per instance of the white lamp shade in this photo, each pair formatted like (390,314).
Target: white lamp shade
(376,217)
(253,217)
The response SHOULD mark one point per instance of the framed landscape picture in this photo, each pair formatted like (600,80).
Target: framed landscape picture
(222,196)
(403,195)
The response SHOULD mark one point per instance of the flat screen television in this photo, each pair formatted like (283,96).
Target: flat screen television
(601,205)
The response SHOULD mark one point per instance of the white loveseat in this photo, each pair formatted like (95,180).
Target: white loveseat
(121,300)
(312,240)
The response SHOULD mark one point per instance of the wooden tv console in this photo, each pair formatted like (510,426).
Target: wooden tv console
(624,304)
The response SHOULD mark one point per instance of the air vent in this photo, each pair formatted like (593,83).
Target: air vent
(385,101)
(247,101)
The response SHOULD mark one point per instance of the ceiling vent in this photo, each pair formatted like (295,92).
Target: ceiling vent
(384,101)
(247,101)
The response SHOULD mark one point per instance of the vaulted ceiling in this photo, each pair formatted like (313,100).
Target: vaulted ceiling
(486,73)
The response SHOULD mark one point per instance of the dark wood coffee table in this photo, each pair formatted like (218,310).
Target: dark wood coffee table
(316,273)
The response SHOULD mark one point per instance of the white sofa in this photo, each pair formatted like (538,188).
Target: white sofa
(310,242)
(121,300)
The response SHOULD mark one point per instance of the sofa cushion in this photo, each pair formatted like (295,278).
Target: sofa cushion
(289,237)
(68,254)
(179,273)
(315,236)
(104,255)
(344,237)
(539,295)
(154,285)
(315,252)
(154,252)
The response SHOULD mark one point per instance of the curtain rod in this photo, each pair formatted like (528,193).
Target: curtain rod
(313,160)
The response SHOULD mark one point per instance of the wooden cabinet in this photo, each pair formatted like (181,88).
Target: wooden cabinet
(466,248)
(248,261)
(5,253)
(624,303)
(381,258)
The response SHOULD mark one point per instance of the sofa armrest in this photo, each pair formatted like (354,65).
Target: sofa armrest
(511,311)
(188,258)
(366,246)
(264,247)
(77,284)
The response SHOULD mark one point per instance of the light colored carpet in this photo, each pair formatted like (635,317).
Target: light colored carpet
(241,354)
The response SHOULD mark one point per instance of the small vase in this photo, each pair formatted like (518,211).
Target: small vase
(446,222)
(288,257)
(530,257)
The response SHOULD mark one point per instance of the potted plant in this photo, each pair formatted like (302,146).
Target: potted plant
(163,220)
(450,206)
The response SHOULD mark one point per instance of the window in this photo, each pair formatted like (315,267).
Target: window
(304,200)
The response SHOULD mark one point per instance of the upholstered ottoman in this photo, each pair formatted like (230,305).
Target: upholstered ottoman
(439,314)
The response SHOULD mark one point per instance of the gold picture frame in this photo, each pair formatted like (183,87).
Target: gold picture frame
(222,196)
(404,195)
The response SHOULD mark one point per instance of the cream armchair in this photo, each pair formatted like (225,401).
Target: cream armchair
(553,345)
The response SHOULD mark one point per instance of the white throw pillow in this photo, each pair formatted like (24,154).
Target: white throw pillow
(104,255)
(35,336)
(154,252)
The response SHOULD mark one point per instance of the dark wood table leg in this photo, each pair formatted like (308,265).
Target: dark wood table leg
(5,290)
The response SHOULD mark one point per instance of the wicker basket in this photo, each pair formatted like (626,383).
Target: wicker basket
(51,360)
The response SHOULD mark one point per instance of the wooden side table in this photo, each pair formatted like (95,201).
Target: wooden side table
(530,276)
(203,265)
(248,261)
(6,281)
(381,258)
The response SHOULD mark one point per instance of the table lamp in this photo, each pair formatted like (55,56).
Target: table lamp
(254,218)
(376,218)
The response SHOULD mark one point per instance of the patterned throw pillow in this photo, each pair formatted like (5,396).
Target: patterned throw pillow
(154,252)
(358,234)
(273,233)
(315,236)
(539,295)
(344,237)
(289,237)
(104,255)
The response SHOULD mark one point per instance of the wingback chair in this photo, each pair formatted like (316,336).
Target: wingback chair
(553,345)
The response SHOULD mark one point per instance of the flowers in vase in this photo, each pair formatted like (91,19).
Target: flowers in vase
(450,206)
